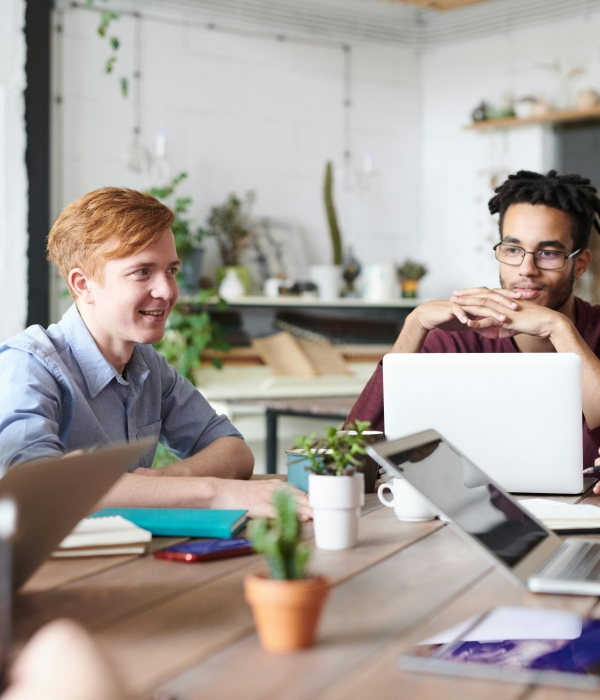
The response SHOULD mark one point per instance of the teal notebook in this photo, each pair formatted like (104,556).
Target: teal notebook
(182,522)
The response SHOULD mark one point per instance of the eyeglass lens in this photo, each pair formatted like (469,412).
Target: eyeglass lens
(545,259)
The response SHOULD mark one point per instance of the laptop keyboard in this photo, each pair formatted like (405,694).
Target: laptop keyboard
(583,566)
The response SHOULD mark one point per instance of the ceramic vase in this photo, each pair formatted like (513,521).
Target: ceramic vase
(231,286)
(191,269)
(380,282)
(328,279)
(286,613)
(242,271)
(336,502)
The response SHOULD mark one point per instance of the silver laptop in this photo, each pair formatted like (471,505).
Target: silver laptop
(518,416)
(488,517)
(52,496)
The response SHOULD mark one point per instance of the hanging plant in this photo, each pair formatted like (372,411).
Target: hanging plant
(107,17)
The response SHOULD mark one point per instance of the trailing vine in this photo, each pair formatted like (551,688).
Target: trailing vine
(107,17)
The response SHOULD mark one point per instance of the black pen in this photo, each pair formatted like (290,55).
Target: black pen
(592,470)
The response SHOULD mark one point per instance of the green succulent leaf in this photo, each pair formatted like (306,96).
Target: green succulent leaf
(279,539)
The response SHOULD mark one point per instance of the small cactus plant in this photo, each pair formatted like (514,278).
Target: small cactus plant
(279,539)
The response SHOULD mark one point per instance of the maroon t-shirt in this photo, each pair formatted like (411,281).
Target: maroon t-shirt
(369,405)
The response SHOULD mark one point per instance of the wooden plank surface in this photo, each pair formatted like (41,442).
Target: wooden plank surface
(208,618)
(381,677)
(363,613)
(187,627)
(98,590)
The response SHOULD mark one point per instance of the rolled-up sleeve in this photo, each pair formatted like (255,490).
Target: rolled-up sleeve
(189,423)
(30,407)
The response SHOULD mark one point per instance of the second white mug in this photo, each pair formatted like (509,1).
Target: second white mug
(407,502)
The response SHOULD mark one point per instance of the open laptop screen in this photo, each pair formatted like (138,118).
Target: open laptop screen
(463,493)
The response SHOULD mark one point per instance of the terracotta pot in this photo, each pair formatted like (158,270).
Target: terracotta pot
(286,613)
(409,288)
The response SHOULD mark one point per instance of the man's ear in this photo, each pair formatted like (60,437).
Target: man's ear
(79,282)
(582,262)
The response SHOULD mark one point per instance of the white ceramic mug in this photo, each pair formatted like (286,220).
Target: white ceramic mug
(407,502)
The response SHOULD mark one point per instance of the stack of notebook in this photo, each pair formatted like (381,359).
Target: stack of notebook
(109,536)
(182,522)
(128,530)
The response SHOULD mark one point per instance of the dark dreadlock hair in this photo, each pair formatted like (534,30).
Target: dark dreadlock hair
(571,193)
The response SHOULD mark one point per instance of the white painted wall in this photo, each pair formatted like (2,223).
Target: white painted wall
(243,112)
(13,176)
(457,233)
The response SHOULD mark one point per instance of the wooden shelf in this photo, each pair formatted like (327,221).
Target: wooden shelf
(552,117)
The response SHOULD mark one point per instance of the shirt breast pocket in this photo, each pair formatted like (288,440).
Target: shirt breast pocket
(149,431)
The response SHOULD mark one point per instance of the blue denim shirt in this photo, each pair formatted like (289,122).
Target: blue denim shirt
(59,393)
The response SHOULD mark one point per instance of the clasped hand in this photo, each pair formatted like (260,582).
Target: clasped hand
(493,313)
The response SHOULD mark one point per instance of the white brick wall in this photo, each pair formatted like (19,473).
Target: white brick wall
(13,176)
(457,233)
(242,112)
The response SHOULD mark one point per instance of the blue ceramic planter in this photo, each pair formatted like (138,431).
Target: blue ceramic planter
(297,473)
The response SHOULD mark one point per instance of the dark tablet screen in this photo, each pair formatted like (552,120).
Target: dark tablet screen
(463,492)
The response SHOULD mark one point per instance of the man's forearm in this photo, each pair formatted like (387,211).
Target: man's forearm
(412,336)
(567,339)
(136,491)
(225,458)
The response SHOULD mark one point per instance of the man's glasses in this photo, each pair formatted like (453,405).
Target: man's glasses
(543,259)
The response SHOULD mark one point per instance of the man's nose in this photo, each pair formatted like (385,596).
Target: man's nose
(527,267)
(163,288)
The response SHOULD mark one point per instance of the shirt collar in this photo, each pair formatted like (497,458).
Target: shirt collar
(96,369)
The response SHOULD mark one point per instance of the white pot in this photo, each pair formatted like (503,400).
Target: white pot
(336,503)
(328,279)
(232,286)
(379,282)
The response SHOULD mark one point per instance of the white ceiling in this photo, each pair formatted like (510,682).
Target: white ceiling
(370,20)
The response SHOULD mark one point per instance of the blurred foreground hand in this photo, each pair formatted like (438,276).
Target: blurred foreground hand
(61,662)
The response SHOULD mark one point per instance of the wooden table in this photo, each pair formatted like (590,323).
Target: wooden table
(187,629)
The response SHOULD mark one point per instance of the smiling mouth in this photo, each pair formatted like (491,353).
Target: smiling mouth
(153,313)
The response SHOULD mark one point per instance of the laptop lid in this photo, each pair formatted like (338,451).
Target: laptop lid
(53,495)
(518,416)
(480,510)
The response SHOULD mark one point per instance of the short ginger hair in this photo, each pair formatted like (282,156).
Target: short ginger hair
(112,222)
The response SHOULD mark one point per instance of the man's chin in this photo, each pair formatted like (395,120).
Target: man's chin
(149,337)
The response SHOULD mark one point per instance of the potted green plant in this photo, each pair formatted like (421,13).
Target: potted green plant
(286,605)
(328,277)
(232,227)
(188,238)
(409,274)
(190,331)
(336,484)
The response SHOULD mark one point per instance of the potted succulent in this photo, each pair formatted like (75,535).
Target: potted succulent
(232,227)
(336,484)
(409,274)
(286,606)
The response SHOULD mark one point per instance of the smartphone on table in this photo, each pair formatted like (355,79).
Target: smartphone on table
(206,550)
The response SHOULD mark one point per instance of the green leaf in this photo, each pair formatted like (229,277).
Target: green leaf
(124,83)
(114,42)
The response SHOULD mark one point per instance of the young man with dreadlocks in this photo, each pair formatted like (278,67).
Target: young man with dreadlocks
(545,226)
